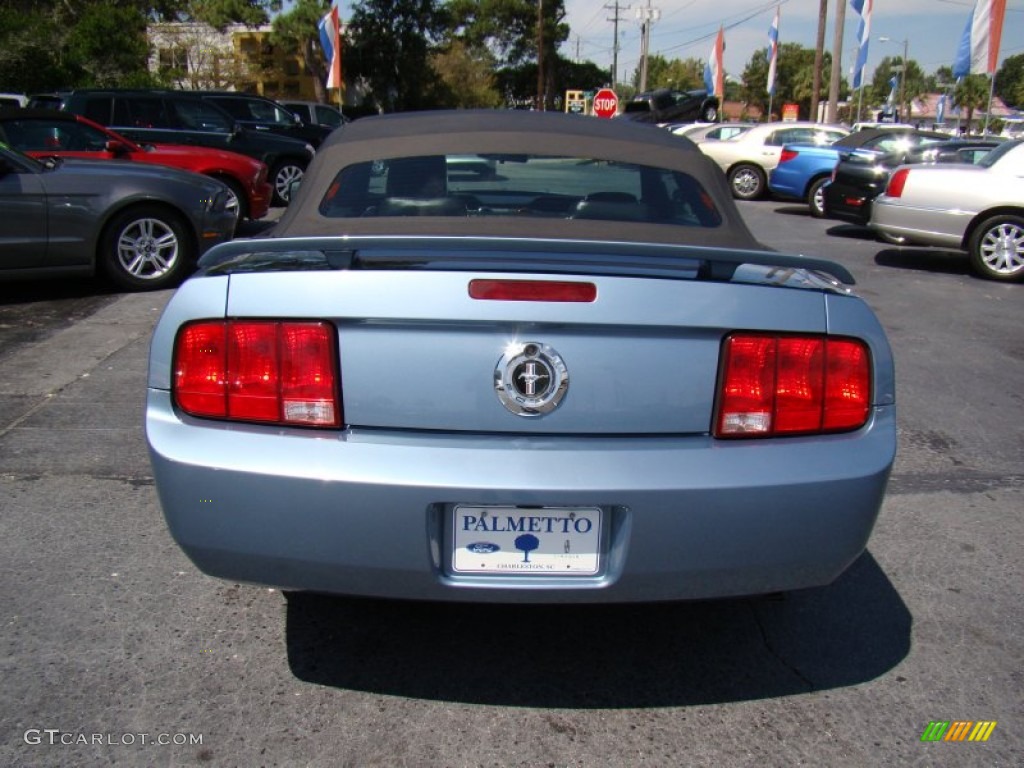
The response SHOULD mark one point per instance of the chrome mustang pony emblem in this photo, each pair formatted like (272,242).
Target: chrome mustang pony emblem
(531,379)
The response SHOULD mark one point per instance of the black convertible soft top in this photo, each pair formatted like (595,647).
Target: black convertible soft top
(507,132)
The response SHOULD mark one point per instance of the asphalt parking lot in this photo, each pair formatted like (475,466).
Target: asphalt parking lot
(116,650)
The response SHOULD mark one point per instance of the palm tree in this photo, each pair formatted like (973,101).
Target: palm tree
(971,93)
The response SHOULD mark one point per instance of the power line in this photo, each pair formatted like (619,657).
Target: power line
(732,25)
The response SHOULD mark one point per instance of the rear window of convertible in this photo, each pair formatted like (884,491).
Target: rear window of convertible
(519,185)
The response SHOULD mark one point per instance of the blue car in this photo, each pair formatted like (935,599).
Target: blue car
(804,170)
(577,379)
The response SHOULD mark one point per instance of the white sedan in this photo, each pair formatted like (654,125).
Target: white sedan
(975,208)
(748,158)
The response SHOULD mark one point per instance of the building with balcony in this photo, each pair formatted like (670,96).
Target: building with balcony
(193,56)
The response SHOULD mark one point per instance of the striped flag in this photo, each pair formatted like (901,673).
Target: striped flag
(978,53)
(773,51)
(894,81)
(714,72)
(330,42)
(863,9)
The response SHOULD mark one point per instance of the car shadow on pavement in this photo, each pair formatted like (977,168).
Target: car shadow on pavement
(852,231)
(605,656)
(259,228)
(794,209)
(33,291)
(925,260)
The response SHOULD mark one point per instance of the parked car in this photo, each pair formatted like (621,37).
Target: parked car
(699,132)
(868,124)
(860,178)
(47,100)
(580,380)
(42,133)
(315,113)
(975,208)
(13,100)
(179,117)
(747,159)
(265,115)
(142,225)
(804,170)
(667,106)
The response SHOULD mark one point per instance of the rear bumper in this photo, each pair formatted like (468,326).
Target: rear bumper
(787,184)
(925,226)
(847,204)
(368,513)
(217,227)
(260,196)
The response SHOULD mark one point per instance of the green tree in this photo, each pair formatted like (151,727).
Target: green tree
(31,58)
(971,94)
(297,32)
(108,45)
(794,78)
(220,13)
(677,74)
(509,28)
(391,42)
(917,84)
(44,46)
(586,75)
(1010,81)
(467,76)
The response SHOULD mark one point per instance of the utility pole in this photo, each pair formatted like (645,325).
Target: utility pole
(905,117)
(646,16)
(837,63)
(540,56)
(818,56)
(615,41)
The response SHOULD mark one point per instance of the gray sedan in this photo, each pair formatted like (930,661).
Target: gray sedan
(578,379)
(142,226)
(976,208)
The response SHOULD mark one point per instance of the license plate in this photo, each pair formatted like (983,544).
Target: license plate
(510,541)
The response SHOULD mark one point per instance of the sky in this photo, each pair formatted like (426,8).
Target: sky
(686,29)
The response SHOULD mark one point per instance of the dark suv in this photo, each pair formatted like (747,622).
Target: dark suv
(180,117)
(265,115)
(665,106)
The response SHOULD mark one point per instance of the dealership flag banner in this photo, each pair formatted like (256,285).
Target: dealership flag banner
(863,9)
(714,72)
(978,53)
(773,51)
(330,42)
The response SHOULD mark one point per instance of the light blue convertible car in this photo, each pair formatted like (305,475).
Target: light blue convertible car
(577,379)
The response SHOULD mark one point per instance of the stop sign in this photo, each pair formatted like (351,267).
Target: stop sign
(606,103)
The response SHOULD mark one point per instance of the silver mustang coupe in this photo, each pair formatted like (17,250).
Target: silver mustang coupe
(976,208)
(578,378)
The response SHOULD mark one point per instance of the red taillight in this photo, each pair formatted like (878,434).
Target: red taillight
(775,385)
(279,372)
(896,183)
(200,369)
(787,155)
(532,290)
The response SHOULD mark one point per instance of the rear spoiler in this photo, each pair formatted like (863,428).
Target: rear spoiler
(500,254)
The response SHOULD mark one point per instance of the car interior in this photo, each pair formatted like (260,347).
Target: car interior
(537,186)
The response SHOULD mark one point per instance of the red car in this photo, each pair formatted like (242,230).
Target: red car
(45,133)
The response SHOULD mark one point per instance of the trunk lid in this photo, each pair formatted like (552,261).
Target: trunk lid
(418,352)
